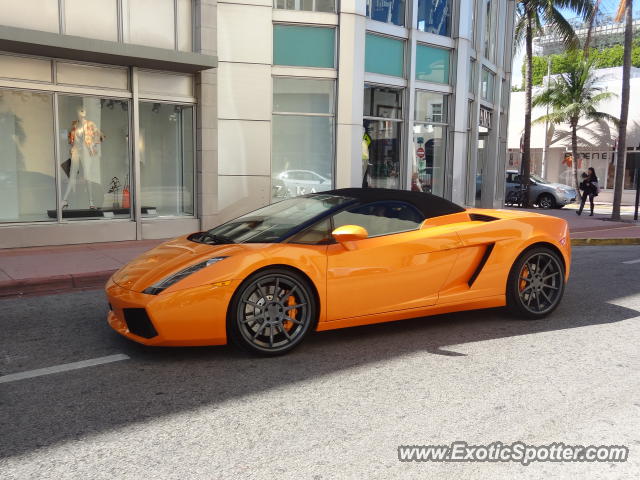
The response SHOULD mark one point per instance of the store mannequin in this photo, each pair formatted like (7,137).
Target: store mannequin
(84,138)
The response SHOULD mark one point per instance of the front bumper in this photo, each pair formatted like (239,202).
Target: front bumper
(566,199)
(190,317)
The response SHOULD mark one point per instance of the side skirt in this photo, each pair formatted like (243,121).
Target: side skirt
(477,304)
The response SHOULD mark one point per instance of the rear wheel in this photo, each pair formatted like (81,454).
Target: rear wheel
(271,312)
(546,201)
(536,283)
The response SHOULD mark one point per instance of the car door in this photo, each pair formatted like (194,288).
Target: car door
(398,267)
(511,185)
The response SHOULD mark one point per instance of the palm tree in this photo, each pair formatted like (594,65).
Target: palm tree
(574,96)
(625,9)
(530,17)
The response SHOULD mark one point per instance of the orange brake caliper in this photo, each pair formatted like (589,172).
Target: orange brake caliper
(525,274)
(292,313)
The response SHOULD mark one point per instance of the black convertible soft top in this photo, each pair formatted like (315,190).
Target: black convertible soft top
(430,205)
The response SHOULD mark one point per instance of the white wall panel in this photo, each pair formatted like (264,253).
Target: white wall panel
(244,91)
(244,34)
(244,147)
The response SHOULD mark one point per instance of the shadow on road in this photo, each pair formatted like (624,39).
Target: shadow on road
(48,410)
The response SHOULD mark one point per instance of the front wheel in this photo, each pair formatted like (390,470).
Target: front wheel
(546,201)
(271,312)
(536,283)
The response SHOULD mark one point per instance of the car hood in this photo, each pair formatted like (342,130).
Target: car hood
(166,259)
(561,185)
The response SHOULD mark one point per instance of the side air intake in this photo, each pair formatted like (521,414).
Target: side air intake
(479,217)
(481,265)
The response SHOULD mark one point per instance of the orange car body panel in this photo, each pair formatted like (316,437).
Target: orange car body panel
(418,273)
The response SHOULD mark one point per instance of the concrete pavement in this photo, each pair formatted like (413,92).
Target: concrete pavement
(339,406)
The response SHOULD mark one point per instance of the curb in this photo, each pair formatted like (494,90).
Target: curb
(579,242)
(54,284)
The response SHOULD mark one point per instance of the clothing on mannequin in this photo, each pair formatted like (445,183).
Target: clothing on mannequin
(84,138)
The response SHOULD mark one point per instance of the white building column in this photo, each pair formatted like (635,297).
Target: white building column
(350,94)
(459,108)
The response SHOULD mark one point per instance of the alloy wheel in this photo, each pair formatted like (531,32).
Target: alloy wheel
(540,283)
(274,312)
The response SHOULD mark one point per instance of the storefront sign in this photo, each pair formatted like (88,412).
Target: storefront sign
(485,117)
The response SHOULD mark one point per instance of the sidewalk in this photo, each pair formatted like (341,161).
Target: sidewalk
(64,268)
(597,229)
(68,267)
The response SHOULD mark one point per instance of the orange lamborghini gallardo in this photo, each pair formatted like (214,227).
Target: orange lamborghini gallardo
(338,259)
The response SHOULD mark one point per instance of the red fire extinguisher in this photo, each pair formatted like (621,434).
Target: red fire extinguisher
(126,196)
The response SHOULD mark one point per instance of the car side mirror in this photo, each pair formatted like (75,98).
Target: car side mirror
(347,234)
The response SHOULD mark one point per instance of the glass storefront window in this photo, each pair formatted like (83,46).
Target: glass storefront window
(432,64)
(472,76)
(387,11)
(302,136)
(434,16)
(487,82)
(382,130)
(304,46)
(166,159)
(306,5)
(489,31)
(384,55)
(293,95)
(429,142)
(382,102)
(94,157)
(92,19)
(27,167)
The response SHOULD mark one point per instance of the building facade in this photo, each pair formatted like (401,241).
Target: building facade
(316,94)
(134,119)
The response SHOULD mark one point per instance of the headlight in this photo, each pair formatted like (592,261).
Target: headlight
(158,287)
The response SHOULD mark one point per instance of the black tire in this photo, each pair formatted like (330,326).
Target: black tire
(531,294)
(546,201)
(259,318)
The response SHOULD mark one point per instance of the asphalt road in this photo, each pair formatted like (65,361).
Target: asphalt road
(339,406)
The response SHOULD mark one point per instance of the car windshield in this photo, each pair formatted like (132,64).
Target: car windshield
(538,179)
(272,223)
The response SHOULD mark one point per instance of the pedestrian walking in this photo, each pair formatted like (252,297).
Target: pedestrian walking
(590,189)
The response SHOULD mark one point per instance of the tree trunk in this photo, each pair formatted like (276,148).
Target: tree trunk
(526,138)
(621,156)
(574,156)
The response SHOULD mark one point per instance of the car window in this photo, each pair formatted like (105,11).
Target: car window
(381,218)
(318,234)
(273,222)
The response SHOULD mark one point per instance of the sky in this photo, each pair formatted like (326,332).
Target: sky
(608,7)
